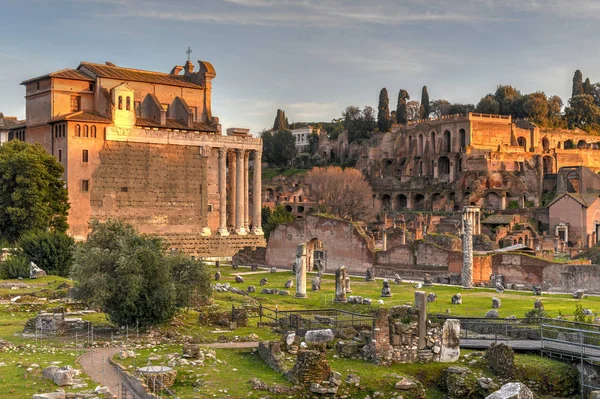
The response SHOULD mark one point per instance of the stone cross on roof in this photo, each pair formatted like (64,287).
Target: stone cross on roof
(188,52)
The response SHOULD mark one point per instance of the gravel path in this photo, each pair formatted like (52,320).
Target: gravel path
(95,364)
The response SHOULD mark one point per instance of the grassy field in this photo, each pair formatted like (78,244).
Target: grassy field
(476,301)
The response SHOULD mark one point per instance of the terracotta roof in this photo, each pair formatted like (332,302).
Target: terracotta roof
(8,122)
(82,116)
(499,219)
(585,200)
(67,73)
(176,124)
(138,75)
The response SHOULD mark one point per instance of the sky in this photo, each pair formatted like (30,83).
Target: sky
(311,58)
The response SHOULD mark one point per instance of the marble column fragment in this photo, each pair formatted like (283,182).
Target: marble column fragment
(340,284)
(467,267)
(421,305)
(301,271)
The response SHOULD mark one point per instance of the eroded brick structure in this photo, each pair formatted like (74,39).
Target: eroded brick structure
(144,147)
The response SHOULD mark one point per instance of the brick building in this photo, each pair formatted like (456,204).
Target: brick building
(144,147)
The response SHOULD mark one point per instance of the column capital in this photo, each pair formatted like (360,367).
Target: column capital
(258,153)
(222,151)
(239,152)
(205,151)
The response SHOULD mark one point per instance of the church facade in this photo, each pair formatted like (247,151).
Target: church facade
(144,147)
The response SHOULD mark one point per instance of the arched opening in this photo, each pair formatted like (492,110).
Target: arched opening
(300,209)
(316,256)
(452,199)
(332,154)
(443,166)
(409,143)
(435,199)
(419,202)
(420,168)
(77,131)
(548,167)
(86,131)
(300,198)
(93,132)
(463,139)
(581,144)
(520,240)
(128,104)
(569,145)
(432,140)
(545,144)
(401,202)
(288,208)
(420,144)
(493,201)
(120,102)
(386,202)
(522,141)
(573,182)
(447,144)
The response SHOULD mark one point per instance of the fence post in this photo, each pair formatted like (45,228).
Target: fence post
(232,313)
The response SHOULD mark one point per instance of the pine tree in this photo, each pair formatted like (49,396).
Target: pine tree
(383,114)
(424,103)
(401,114)
(577,84)
(587,86)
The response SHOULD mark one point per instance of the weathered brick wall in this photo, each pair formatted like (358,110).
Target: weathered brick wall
(571,278)
(311,366)
(195,245)
(270,353)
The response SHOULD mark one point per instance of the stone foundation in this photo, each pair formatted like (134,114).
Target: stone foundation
(311,367)
(212,246)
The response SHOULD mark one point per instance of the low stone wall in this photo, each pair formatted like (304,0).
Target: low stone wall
(270,353)
(404,336)
(140,389)
(311,367)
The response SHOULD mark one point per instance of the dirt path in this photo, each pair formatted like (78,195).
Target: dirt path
(95,364)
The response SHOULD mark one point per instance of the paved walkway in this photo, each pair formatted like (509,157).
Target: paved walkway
(95,364)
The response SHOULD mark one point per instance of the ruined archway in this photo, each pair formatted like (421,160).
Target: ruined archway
(316,255)
(569,145)
(443,167)
(420,148)
(386,202)
(548,165)
(522,141)
(447,144)
(419,202)
(463,139)
(432,139)
(401,202)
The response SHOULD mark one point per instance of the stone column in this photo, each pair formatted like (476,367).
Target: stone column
(223,193)
(232,176)
(240,196)
(205,155)
(467,267)
(421,305)
(340,284)
(246,191)
(384,240)
(301,271)
(257,195)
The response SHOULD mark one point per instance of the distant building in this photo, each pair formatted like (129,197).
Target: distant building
(6,124)
(301,135)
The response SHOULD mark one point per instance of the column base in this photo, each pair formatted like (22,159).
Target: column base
(258,231)
(241,231)
(301,296)
(223,232)
(205,232)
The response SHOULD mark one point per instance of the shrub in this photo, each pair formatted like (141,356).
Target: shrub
(15,266)
(52,251)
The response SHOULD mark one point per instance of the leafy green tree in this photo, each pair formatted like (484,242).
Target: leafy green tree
(284,148)
(50,250)
(313,142)
(425,103)
(577,84)
(126,274)
(458,108)
(510,101)
(555,104)
(368,119)
(440,107)
(279,216)
(401,111)
(265,212)
(354,123)
(32,193)
(191,279)
(393,119)
(16,265)
(582,112)
(536,107)
(488,105)
(383,112)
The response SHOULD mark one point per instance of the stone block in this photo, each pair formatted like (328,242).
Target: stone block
(319,336)
(512,390)
(450,349)
(49,395)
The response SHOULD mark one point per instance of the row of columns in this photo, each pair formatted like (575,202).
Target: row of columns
(238,191)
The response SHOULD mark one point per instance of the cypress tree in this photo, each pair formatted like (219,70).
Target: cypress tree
(587,86)
(401,113)
(383,114)
(281,122)
(424,103)
(577,84)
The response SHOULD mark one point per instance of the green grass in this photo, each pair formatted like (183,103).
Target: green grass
(270,173)
(476,302)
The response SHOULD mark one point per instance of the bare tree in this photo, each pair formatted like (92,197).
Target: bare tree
(344,193)
(413,110)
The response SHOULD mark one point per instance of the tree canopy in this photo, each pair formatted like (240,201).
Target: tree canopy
(130,277)
(32,193)
(341,192)
(488,105)
(577,84)
(279,148)
(425,108)
(383,112)
(281,121)
(401,112)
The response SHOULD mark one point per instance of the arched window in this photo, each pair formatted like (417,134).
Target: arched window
(120,102)
(447,142)
(522,141)
(420,149)
(93,132)
(85,131)
(77,131)
(545,144)
(432,138)
(463,139)
(128,104)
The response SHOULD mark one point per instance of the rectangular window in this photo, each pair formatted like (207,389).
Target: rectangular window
(195,113)
(124,189)
(85,186)
(59,155)
(210,207)
(75,103)
(91,88)
(84,156)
